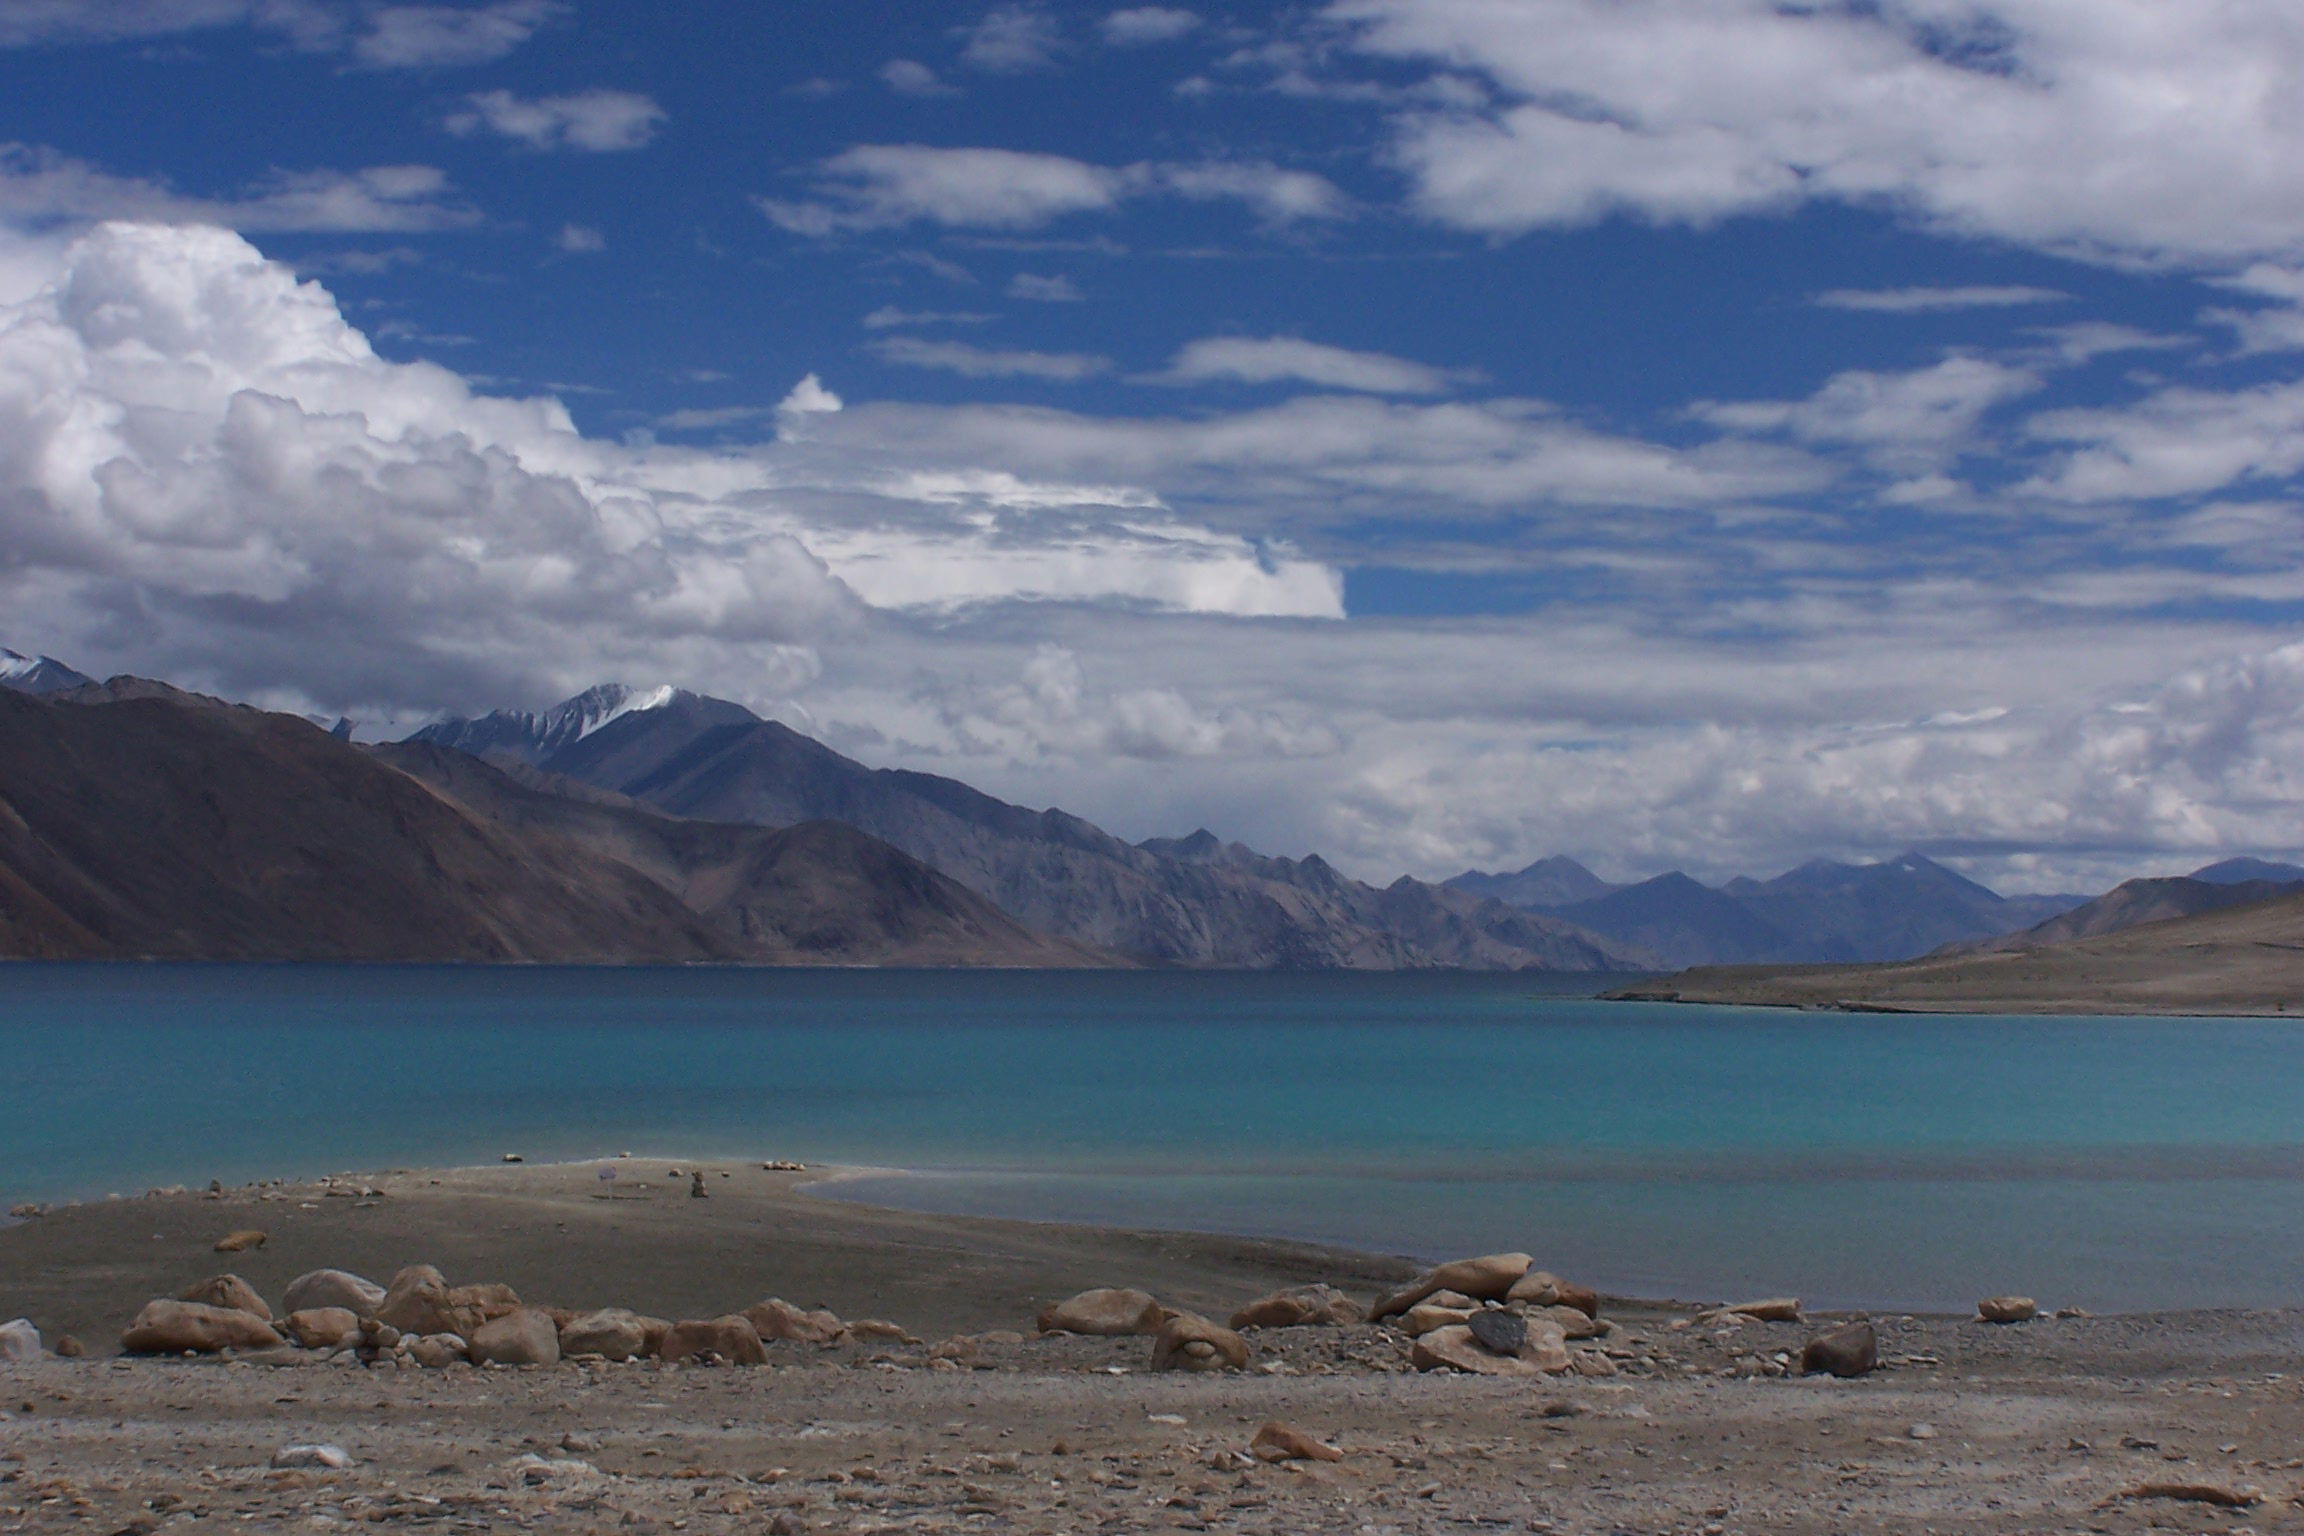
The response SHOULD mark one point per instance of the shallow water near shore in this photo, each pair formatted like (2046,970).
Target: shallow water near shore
(1875,1160)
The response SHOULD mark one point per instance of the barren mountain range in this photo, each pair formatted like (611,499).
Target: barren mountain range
(652,825)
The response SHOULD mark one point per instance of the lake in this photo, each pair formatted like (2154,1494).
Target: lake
(1864,1159)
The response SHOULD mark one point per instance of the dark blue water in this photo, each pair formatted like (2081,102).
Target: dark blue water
(1867,1159)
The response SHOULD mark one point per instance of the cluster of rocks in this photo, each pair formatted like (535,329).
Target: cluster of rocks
(421,1320)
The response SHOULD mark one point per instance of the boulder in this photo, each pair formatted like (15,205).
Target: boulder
(1447,1310)
(1304,1306)
(19,1342)
(780,1322)
(1542,1288)
(1575,1322)
(1497,1331)
(323,1327)
(2007,1309)
(420,1300)
(240,1242)
(1544,1352)
(1848,1350)
(730,1337)
(1772,1309)
(332,1288)
(177,1327)
(1108,1312)
(612,1333)
(438,1351)
(523,1336)
(1285,1442)
(1189,1343)
(69,1348)
(1489,1278)
(879,1330)
(229,1291)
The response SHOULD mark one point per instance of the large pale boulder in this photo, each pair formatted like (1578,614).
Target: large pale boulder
(174,1327)
(420,1300)
(229,1291)
(1189,1343)
(1542,1288)
(613,1333)
(1304,1306)
(780,1322)
(523,1336)
(332,1288)
(1848,1350)
(1445,1310)
(323,1327)
(1543,1351)
(730,1337)
(1488,1278)
(2007,1309)
(19,1342)
(1109,1311)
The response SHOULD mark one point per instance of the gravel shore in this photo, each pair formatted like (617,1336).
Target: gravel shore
(2061,1424)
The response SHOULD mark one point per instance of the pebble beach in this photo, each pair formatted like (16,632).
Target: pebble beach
(953,1411)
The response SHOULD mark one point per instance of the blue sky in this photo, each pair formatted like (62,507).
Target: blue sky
(1429,432)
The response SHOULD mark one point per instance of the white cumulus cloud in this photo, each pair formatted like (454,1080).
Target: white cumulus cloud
(1139,24)
(1277,359)
(2123,127)
(600,121)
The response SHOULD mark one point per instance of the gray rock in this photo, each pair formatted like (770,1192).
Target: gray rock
(19,1341)
(1852,1349)
(1499,1331)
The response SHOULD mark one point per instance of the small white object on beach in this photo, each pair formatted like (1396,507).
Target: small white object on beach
(332,1458)
(1166,1418)
(19,1341)
(1922,1432)
(514,1157)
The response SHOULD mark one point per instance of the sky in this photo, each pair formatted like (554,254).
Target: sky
(1435,434)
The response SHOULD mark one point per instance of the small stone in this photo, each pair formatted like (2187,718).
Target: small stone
(1285,1442)
(1773,1309)
(2007,1309)
(241,1242)
(69,1348)
(1921,1432)
(327,1458)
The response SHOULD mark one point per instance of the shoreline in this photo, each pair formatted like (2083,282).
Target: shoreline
(1689,1422)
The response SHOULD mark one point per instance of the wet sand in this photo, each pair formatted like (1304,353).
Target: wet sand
(1966,1427)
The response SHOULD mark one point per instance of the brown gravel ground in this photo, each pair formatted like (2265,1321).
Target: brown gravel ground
(1966,1428)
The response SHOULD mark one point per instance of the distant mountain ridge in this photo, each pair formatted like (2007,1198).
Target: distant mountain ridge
(1192,901)
(138,821)
(1821,912)
(38,674)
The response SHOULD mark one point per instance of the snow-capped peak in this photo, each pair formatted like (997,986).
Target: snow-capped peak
(534,735)
(37,674)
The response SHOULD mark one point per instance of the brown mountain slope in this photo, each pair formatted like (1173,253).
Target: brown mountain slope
(2238,960)
(2130,904)
(159,826)
(819,890)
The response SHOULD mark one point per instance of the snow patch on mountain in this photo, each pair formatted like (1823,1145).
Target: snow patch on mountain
(37,674)
(533,736)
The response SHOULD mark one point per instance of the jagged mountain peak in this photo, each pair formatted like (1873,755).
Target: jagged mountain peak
(532,736)
(38,674)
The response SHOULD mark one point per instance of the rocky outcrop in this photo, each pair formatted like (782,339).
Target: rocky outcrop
(1542,1350)
(1488,1278)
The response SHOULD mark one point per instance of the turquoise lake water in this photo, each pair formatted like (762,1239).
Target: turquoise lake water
(1702,1153)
